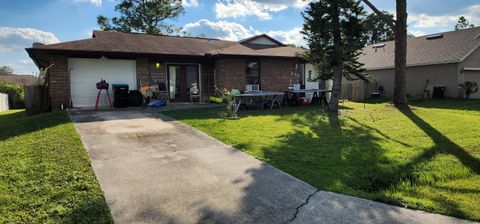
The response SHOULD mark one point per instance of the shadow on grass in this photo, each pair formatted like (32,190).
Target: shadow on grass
(349,158)
(442,144)
(451,104)
(18,123)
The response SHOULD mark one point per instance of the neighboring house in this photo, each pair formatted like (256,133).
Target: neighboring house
(178,62)
(445,59)
(24,80)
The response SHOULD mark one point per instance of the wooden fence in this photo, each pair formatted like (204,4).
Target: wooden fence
(357,90)
(3,102)
(37,99)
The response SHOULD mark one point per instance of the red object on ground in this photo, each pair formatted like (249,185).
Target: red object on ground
(303,101)
(98,98)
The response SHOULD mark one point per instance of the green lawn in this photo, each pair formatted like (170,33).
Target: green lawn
(425,158)
(45,173)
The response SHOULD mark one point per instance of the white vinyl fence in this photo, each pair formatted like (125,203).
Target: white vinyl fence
(3,102)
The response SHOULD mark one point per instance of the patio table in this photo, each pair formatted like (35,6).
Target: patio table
(270,97)
(319,96)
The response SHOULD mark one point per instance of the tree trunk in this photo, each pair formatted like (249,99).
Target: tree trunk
(399,91)
(338,61)
(336,89)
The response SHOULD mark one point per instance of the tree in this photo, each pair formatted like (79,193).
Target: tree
(6,70)
(463,23)
(334,32)
(378,30)
(147,16)
(400,27)
(470,88)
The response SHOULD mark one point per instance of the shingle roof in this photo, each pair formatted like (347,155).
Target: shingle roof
(453,47)
(26,80)
(110,41)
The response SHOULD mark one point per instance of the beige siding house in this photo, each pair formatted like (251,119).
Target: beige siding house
(445,59)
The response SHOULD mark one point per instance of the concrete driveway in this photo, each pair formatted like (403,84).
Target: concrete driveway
(155,170)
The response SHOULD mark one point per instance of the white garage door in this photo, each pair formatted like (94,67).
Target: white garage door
(85,73)
(475,77)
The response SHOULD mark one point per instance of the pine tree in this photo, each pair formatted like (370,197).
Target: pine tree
(335,36)
(463,23)
(146,16)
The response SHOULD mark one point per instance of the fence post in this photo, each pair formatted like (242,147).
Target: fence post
(4,102)
(36,99)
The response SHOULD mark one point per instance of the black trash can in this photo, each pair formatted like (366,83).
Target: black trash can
(438,92)
(120,95)
(135,98)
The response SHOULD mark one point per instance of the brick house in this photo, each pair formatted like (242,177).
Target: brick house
(178,62)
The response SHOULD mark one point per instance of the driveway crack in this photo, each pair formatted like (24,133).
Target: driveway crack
(297,209)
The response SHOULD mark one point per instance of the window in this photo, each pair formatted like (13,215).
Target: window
(301,73)
(252,73)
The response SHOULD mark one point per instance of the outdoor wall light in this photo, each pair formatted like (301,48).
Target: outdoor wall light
(157,65)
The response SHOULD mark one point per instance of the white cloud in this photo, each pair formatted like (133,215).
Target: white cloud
(293,36)
(424,20)
(234,31)
(189,3)
(220,29)
(14,39)
(417,33)
(25,62)
(259,8)
(94,2)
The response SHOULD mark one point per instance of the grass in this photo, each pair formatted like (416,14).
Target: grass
(426,158)
(45,173)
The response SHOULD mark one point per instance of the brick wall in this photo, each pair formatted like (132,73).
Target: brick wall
(59,82)
(207,86)
(143,73)
(158,74)
(278,75)
(275,74)
(230,74)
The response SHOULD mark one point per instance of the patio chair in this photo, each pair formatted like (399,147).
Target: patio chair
(194,93)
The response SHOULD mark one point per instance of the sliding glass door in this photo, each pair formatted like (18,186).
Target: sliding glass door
(182,77)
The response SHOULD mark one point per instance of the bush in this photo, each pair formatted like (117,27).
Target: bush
(470,88)
(230,110)
(15,94)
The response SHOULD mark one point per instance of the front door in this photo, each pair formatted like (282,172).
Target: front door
(181,77)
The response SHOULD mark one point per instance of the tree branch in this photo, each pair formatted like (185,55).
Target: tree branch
(391,22)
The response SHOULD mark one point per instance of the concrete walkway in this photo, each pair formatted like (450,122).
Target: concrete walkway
(155,170)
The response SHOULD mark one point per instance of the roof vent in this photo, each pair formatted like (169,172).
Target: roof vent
(435,36)
(376,46)
(37,44)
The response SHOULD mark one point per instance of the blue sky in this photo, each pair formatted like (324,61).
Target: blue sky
(49,21)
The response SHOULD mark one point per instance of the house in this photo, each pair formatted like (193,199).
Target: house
(178,62)
(445,60)
(24,80)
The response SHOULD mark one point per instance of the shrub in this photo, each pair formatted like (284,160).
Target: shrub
(470,88)
(15,94)
(230,109)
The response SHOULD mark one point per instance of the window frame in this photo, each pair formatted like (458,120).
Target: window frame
(247,76)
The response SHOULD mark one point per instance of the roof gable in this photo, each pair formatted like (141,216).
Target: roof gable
(262,39)
(452,47)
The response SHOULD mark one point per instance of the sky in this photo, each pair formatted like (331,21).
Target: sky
(23,22)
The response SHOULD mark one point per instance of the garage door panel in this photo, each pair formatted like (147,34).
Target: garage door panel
(85,73)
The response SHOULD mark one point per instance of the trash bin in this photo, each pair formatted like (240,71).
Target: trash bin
(438,92)
(135,98)
(120,95)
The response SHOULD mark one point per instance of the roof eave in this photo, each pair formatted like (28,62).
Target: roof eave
(415,65)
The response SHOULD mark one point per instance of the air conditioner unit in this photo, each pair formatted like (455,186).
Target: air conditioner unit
(252,88)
